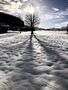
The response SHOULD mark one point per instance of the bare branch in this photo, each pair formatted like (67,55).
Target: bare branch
(32,20)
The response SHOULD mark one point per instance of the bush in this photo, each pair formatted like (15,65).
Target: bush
(3,29)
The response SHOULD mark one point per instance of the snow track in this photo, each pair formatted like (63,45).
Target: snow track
(38,62)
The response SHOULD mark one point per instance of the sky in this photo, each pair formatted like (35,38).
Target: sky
(52,13)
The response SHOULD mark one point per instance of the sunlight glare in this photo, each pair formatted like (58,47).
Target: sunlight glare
(31,10)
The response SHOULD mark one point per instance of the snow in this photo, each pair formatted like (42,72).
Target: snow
(38,62)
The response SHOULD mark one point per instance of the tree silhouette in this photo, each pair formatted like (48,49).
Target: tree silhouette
(67,29)
(10,20)
(32,20)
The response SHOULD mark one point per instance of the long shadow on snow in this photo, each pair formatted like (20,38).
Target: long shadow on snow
(16,46)
(53,56)
(29,66)
(16,74)
(24,76)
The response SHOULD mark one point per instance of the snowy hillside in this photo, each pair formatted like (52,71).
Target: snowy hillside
(38,62)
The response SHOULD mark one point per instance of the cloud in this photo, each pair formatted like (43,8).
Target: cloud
(51,16)
(54,18)
(13,7)
(65,12)
(62,24)
(20,7)
(55,9)
(4,2)
(47,17)
(25,0)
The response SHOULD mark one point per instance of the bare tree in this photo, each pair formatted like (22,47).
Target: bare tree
(32,20)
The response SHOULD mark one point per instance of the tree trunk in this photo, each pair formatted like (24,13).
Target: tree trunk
(32,30)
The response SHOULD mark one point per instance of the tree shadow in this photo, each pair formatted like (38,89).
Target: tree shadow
(47,48)
(24,74)
(58,61)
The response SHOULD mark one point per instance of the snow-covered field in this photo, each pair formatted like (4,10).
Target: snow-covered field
(38,62)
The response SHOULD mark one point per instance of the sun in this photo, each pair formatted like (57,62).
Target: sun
(31,10)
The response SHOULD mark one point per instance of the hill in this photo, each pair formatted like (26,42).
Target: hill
(10,22)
